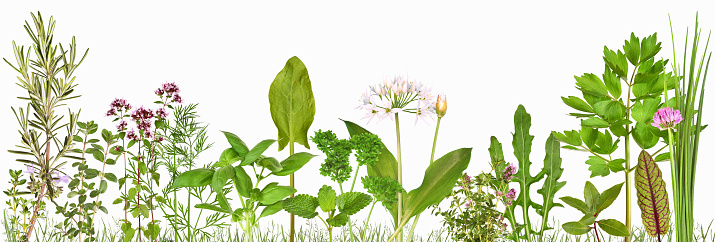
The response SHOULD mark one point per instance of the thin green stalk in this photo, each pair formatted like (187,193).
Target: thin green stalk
(628,158)
(431,159)
(399,176)
(368,220)
(292,184)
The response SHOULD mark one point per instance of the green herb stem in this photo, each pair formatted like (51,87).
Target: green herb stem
(431,159)
(399,176)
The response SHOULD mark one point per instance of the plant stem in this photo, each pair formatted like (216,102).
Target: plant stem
(628,160)
(399,177)
(431,159)
(292,184)
(595,230)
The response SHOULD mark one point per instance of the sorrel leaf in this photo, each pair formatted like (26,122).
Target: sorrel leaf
(439,179)
(292,103)
(652,195)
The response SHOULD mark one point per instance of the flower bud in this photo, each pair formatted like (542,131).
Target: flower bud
(441,106)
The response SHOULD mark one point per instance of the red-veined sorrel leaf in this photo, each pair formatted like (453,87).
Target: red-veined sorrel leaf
(652,196)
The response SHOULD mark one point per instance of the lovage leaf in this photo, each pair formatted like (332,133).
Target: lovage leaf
(578,104)
(591,84)
(616,62)
(652,195)
(292,103)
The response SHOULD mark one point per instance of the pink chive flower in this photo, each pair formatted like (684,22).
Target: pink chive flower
(395,95)
(509,172)
(666,118)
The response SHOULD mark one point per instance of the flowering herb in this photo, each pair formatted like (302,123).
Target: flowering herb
(142,172)
(666,118)
(473,214)
(49,82)
(80,215)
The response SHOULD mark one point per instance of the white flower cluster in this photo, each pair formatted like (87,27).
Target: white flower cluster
(393,96)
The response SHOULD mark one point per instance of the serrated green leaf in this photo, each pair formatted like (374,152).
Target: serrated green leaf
(643,110)
(633,49)
(597,166)
(613,83)
(591,84)
(570,137)
(338,221)
(352,202)
(326,198)
(616,165)
(644,137)
(616,62)
(650,47)
(610,110)
(301,205)
(292,103)
(652,195)
(578,104)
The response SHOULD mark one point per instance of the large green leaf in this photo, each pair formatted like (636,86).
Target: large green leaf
(271,209)
(293,163)
(194,178)
(292,103)
(606,198)
(219,180)
(256,152)
(591,196)
(440,177)
(652,195)
(552,171)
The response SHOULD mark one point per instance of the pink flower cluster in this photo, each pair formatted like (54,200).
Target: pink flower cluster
(169,90)
(118,105)
(510,196)
(666,118)
(509,172)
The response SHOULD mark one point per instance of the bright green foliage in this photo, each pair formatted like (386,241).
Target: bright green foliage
(652,196)
(383,189)
(292,103)
(337,152)
(251,197)
(304,205)
(350,203)
(326,198)
(593,204)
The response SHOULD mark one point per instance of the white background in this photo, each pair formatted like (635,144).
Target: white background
(487,58)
